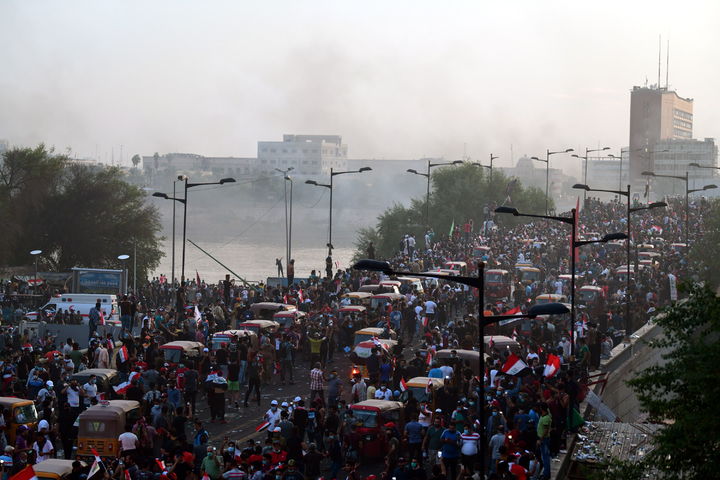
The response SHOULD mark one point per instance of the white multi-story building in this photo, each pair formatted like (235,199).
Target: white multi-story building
(605,172)
(307,154)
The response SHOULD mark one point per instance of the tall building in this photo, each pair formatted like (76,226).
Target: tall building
(656,114)
(307,154)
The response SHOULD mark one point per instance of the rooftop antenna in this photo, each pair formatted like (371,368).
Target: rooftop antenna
(667,65)
(659,59)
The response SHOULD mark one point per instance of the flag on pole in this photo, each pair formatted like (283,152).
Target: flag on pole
(102,317)
(301,296)
(514,365)
(514,334)
(197,315)
(95,468)
(122,388)
(197,278)
(26,473)
(452,228)
(403,385)
(428,387)
(513,311)
(552,366)
(262,427)
(123,354)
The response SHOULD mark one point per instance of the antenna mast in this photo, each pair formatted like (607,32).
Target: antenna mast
(659,59)
(667,65)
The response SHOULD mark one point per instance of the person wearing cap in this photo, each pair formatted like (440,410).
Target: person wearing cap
(272,416)
(46,392)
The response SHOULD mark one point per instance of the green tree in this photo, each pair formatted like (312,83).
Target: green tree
(458,194)
(682,392)
(136,160)
(78,215)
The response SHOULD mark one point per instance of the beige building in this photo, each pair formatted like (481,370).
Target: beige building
(656,114)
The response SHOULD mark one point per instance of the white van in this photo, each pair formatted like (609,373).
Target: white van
(80,302)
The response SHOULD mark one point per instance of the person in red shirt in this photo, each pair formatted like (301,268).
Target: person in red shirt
(277,455)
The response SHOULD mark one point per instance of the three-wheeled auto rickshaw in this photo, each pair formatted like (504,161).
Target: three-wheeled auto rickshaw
(381,300)
(362,351)
(544,298)
(457,265)
(232,336)
(260,326)
(411,284)
(528,275)
(266,310)
(500,342)
(358,298)
(288,318)
(369,418)
(20,412)
(180,350)
(100,426)
(55,469)
(472,357)
(498,284)
(370,333)
(423,390)
(106,378)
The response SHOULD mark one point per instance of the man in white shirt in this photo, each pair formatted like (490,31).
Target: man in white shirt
(273,415)
(90,389)
(383,393)
(128,441)
(430,307)
(45,392)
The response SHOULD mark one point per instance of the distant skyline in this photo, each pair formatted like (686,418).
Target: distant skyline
(399,79)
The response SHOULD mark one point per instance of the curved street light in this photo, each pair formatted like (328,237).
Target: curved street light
(427,176)
(547,172)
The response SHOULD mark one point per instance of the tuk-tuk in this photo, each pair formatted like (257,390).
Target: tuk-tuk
(380,300)
(651,256)
(266,310)
(369,417)
(55,469)
(358,298)
(370,333)
(178,350)
(288,318)
(362,351)
(500,342)
(372,288)
(481,251)
(356,311)
(550,298)
(590,294)
(107,378)
(232,336)
(412,283)
(423,389)
(498,284)
(22,412)
(258,326)
(529,274)
(471,356)
(100,426)
(678,247)
(457,265)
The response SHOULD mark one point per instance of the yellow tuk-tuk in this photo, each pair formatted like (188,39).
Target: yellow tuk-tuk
(529,274)
(362,351)
(380,300)
(106,379)
(369,417)
(550,298)
(423,389)
(370,332)
(358,298)
(370,288)
(413,283)
(471,356)
(390,286)
(266,310)
(288,318)
(178,350)
(457,265)
(55,469)
(100,426)
(22,412)
(500,342)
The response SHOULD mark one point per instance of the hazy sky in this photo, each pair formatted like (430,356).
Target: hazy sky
(395,79)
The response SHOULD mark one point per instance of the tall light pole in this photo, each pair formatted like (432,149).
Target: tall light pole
(36,254)
(585,157)
(427,176)
(490,167)
(122,259)
(287,228)
(172,268)
(572,221)
(184,202)
(289,179)
(479,283)
(688,191)
(333,174)
(547,173)
(626,193)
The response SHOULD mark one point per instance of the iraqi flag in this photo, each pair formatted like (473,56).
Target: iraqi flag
(514,334)
(552,366)
(301,296)
(122,388)
(262,427)
(196,315)
(514,365)
(97,463)
(26,473)
(123,354)
(403,385)
(513,311)
(428,387)
(656,229)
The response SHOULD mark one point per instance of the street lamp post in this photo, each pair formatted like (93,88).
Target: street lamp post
(688,191)
(289,248)
(183,200)
(490,167)
(626,193)
(287,227)
(585,157)
(36,254)
(123,258)
(427,176)
(547,172)
(479,283)
(333,174)
(572,221)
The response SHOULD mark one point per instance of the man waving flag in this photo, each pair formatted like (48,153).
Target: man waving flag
(514,365)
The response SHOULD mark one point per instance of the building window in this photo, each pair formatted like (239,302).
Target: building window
(683,114)
(681,133)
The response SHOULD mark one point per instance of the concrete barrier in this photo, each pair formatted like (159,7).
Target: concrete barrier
(79,333)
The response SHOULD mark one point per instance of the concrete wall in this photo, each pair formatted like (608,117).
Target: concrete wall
(625,362)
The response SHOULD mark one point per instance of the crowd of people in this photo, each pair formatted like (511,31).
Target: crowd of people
(527,414)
